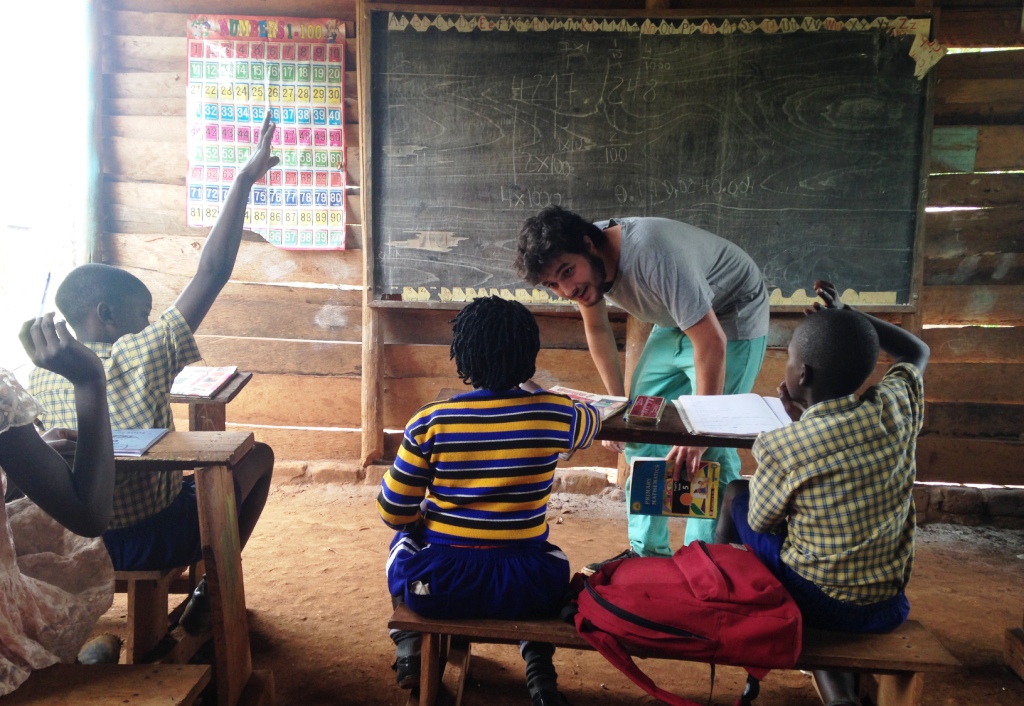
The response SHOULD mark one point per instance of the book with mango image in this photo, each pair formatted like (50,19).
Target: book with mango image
(654,492)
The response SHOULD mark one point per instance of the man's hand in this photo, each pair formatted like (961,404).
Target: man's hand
(51,346)
(616,446)
(685,458)
(794,408)
(261,161)
(829,294)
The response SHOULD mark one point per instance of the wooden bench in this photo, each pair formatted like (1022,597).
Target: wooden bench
(898,660)
(104,684)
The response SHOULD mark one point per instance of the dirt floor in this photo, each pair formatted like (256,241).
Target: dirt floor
(318,607)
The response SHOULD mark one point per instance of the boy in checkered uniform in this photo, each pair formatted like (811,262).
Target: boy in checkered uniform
(830,508)
(155,524)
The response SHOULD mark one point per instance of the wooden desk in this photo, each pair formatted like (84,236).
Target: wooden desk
(669,431)
(208,413)
(212,455)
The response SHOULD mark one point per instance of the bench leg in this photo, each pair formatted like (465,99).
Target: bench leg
(147,617)
(903,689)
(430,668)
(457,669)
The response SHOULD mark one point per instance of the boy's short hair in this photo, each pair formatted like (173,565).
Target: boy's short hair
(495,343)
(550,234)
(840,345)
(89,285)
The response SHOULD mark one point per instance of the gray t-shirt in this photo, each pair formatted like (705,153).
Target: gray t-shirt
(672,274)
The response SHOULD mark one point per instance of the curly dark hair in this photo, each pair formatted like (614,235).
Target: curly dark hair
(841,346)
(495,343)
(550,234)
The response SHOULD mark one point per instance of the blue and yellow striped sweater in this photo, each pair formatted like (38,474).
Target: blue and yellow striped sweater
(478,468)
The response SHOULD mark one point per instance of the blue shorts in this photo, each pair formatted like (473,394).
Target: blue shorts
(515,582)
(166,540)
(819,610)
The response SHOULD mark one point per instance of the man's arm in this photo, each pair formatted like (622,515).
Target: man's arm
(217,259)
(902,345)
(709,345)
(603,349)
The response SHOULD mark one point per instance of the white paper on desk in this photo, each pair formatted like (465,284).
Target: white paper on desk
(731,415)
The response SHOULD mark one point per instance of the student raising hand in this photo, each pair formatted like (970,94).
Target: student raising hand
(80,498)
(217,259)
(829,294)
(261,161)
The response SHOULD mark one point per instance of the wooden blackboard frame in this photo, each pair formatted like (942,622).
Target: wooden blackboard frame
(368,10)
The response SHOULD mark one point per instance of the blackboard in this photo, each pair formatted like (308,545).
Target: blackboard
(801,143)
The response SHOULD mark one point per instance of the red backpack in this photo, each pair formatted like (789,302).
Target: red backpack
(714,603)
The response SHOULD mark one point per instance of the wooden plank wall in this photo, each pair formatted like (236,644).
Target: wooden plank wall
(295,318)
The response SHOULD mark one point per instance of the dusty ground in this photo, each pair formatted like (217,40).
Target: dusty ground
(318,609)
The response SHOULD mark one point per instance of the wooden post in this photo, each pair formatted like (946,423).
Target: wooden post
(207,417)
(372,381)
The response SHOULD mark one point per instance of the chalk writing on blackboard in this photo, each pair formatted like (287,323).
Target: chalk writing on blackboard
(800,139)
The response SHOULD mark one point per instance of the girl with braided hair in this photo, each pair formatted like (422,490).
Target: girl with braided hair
(468,492)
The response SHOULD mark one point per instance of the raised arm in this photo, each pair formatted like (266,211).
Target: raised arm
(80,498)
(902,345)
(603,349)
(217,259)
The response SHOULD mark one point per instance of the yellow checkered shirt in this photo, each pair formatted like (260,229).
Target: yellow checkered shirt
(140,369)
(842,478)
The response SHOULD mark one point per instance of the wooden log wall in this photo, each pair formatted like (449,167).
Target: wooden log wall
(296,318)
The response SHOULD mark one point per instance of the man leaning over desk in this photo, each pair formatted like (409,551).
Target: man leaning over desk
(706,298)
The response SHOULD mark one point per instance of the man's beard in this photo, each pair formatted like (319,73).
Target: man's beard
(598,268)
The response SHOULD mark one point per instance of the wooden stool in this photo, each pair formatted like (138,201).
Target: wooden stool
(149,617)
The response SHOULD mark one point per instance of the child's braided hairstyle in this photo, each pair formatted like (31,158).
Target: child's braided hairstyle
(495,344)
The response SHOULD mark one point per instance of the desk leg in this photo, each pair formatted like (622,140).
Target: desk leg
(218,523)
(207,416)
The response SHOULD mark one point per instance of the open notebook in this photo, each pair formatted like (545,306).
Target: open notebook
(731,415)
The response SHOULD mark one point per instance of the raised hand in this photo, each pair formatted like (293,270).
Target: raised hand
(51,346)
(261,161)
(829,295)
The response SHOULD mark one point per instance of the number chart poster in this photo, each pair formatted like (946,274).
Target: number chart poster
(238,69)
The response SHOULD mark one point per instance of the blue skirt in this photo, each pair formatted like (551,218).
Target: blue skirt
(521,581)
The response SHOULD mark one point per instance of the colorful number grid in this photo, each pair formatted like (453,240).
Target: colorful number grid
(240,68)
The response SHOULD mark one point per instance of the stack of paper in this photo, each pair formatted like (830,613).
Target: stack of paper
(731,415)
(606,405)
(135,442)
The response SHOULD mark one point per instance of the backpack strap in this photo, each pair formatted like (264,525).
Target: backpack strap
(612,650)
(750,691)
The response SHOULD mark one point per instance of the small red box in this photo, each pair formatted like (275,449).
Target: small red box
(645,409)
